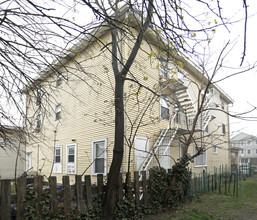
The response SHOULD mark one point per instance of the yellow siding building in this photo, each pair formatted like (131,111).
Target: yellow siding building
(70,112)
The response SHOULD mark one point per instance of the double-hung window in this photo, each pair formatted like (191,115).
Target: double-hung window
(164,108)
(201,159)
(71,158)
(99,156)
(57,159)
(58,112)
(58,79)
(38,96)
(38,123)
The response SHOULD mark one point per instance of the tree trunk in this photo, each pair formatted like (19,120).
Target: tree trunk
(112,183)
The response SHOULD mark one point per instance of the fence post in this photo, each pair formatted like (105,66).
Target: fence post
(5,199)
(120,189)
(79,193)
(136,188)
(88,189)
(100,188)
(145,195)
(38,180)
(53,193)
(66,195)
(21,194)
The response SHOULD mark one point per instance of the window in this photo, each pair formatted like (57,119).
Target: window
(57,159)
(165,108)
(58,79)
(38,96)
(214,149)
(206,128)
(99,156)
(38,123)
(182,148)
(58,112)
(222,106)
(164,68)
(255,151)
(201,159)
(71,159)
(223,129)
(248,151)
(242,151)
(249,142)
(28,161)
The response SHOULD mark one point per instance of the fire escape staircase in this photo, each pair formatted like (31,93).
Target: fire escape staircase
(161,146)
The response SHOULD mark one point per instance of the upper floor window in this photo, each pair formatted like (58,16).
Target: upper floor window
(38,96)
(223,128)
(248,151)
(38,123)
(201,159)
(164,108)
(99,156)
(164,68)
(249,142)
(58,112)
(215,149)
(222,106)
(58,79)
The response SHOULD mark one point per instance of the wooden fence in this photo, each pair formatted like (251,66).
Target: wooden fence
(80,196)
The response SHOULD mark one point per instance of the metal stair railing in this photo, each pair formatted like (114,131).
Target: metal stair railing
(155,148)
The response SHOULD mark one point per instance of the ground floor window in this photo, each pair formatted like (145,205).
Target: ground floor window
(99,156)
(28,161)
(57,159)
(201,159)
(71,158)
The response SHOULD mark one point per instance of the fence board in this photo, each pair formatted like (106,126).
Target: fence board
(120,189)
(21,194)
(144,187)
(53,193)
(79,193)
(66,195)
(5,199)
(100,187)
(38,181)
(88,190)
(136,188)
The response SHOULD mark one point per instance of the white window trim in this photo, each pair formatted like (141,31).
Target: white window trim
(180,149)
(38,118)
(216,147)
(163,99)
(28,161)
(205,165)
(75,158)
(58,109)
(58,147)
(105,157)
(58,79)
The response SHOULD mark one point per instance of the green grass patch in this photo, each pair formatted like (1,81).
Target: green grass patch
(219,206)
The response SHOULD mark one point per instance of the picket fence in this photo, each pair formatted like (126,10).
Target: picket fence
(80,195)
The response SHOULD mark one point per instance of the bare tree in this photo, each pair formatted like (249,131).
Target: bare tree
(36,38)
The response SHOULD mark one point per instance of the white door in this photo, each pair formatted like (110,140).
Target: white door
(141,151)
(164,156)
(71,159)
(57,159)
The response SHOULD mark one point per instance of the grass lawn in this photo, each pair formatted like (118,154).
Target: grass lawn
(218,206)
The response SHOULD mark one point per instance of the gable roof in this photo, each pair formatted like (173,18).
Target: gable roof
(243,137)
(132,17)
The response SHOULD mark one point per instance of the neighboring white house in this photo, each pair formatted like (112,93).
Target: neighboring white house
(246,145)
(12,152)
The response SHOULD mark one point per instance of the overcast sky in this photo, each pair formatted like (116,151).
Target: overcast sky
(241,88)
